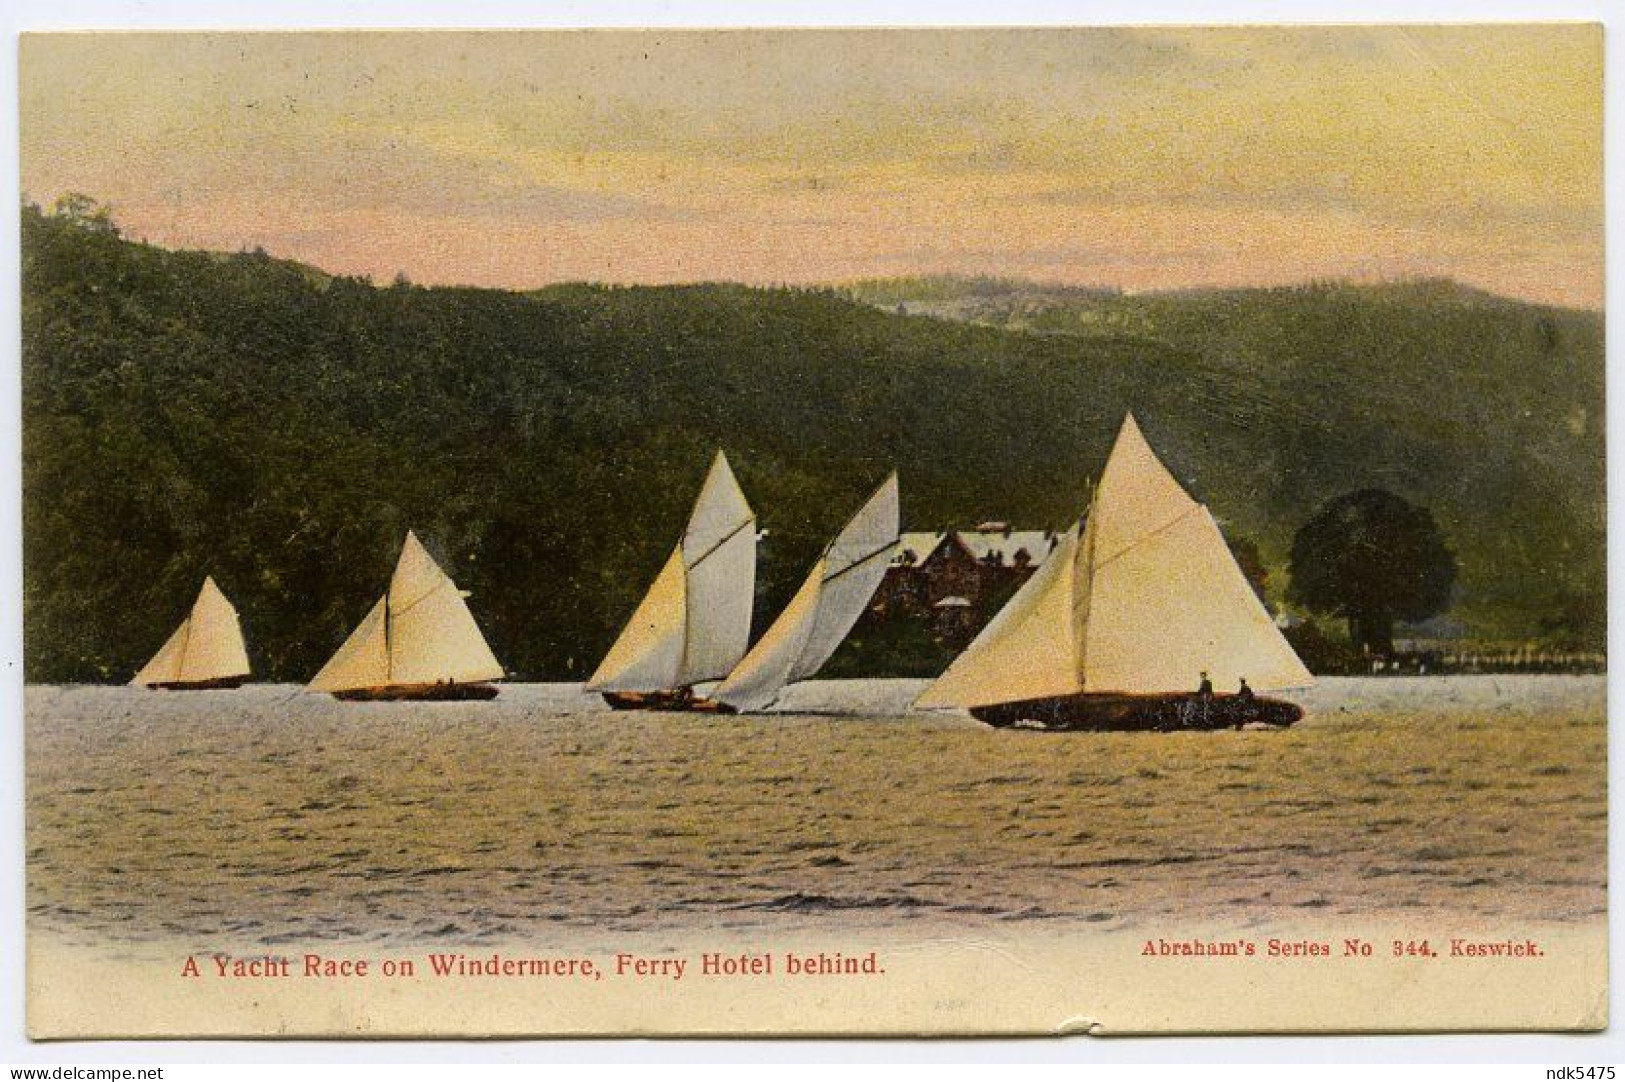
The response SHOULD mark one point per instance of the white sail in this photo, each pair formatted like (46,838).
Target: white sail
(818,618)
(363,660)
(694,623)
(165,666)
(207,646)
(1176,606)
(1167,601)
(420,632)
(1152,599)
(1028,650)
(649,652)
(214,645)
(432,635)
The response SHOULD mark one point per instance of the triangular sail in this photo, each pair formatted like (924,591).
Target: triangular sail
(207,646)
(649,652)
(214,646)
(420,632)
(432,635)
(363,660)
(719,555)
(1167,601)
(1150,599)
(818,618)
(1175,606)
(165,666)
(1136,496)
(1028,650)
(694,623)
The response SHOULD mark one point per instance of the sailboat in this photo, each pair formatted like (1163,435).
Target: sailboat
(418,642)
(1139,618)
(694,623)
(813,625)
(205,652)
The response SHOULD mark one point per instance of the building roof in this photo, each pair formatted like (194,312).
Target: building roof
(913,548)
(1004,545)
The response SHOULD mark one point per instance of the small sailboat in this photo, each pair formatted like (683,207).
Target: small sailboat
(1131,613)
(694,623)
(205,652)
(418,642)
(822,612)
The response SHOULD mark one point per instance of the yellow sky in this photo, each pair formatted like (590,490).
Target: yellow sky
(1140,158)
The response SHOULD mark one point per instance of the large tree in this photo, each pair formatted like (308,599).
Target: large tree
(1372,558)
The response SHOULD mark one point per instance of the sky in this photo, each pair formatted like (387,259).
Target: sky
(1136,158)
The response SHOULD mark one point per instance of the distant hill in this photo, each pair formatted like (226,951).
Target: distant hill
(955,296)
(1017,304)
(1472,403)
(190,413)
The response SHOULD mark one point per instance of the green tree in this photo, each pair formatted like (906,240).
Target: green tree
(1372,558)
(85,212)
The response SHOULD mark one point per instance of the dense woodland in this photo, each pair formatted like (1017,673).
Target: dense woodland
(191,413)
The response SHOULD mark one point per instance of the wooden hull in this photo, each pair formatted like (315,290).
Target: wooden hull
(682,699)
(1139,713)
(420,693)
(224,683)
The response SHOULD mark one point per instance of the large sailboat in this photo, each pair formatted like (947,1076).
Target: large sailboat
(822,612)
(694,623)
(418,642)
(205,652)
(1140,618)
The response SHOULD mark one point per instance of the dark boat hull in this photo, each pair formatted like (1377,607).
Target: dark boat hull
(224,683)
(420,693)
(682,699)
(1139,713)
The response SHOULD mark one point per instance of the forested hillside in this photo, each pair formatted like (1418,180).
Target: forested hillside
(194,413)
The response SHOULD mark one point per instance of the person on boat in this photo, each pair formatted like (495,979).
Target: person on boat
(1204,700)
(1244,699)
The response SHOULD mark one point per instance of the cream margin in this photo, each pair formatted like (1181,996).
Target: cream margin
(294,14)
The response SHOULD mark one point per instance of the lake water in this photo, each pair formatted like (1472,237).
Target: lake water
(272,816)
